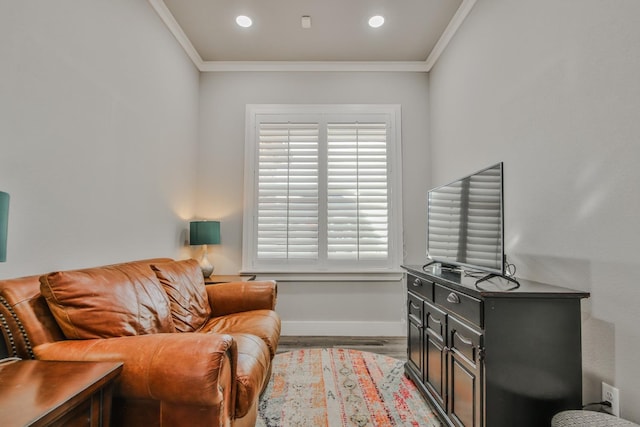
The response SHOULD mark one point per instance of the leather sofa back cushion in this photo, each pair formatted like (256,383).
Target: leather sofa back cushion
(105,302)
(184,284)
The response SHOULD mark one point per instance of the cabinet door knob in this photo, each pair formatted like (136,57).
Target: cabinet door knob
(453,298)
(417,282)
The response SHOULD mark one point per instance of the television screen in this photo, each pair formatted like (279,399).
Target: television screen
(465,222)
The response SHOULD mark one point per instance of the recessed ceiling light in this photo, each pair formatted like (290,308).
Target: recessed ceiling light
(376,21)
(244,21)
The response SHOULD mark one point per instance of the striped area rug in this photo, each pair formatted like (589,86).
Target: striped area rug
(339,387)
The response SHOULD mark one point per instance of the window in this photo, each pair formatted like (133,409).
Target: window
(322,188)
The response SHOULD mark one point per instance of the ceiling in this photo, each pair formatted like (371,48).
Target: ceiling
(414,33)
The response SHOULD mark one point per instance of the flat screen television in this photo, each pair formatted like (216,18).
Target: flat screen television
(465,222)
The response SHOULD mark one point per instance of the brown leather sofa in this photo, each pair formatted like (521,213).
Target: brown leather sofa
(194,355)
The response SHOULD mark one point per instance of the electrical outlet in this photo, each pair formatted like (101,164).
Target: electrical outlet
(611,395)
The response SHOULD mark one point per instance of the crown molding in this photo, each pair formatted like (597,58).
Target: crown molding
(318,66)
(345,66)
(175,28)
(449,32)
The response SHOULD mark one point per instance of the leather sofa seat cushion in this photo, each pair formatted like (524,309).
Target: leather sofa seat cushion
(264,324)
(252,371)
(184,284)
(104,302)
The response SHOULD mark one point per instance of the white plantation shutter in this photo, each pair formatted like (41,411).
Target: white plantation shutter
(322,189)
(357,191)
(288,191)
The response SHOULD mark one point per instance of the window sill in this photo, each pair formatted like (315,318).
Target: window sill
(360,276)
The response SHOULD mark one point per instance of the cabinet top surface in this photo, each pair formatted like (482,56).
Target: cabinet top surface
(226,278)
(495,287)
(32,389)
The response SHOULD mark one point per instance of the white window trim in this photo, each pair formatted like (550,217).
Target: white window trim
(393,111)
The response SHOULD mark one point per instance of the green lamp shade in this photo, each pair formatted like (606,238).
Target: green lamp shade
(204,233)
(4,222)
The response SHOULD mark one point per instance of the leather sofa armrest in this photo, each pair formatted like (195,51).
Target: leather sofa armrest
(237,297)
(188,368)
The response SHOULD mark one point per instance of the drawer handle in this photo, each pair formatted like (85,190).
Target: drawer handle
(414,306)
(453,298)
(417,282)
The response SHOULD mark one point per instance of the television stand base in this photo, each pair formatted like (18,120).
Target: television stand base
(502,276)
(428,264)
(437,267)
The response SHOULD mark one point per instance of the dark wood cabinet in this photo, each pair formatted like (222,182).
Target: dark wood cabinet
(415,345)
(435,352)
(493,356)
(53,393)
(464,363)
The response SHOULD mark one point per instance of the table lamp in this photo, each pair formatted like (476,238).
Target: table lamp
(204,233)
(4,223)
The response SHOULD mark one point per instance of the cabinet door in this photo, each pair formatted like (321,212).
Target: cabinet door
(435,354)
(414,342)
(465,375)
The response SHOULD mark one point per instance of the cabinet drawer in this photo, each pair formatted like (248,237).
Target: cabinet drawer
(420,286)
(458,303)
(414,309)
(465,341)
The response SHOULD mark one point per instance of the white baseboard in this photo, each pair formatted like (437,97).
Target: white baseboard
(357,329)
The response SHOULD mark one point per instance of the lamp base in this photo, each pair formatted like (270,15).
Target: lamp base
(205,264)
(206,271)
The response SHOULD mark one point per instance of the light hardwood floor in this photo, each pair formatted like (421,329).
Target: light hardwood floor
(395,347)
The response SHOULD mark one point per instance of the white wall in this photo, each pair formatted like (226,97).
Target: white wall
(98,134)
(551,88)
(345,308)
